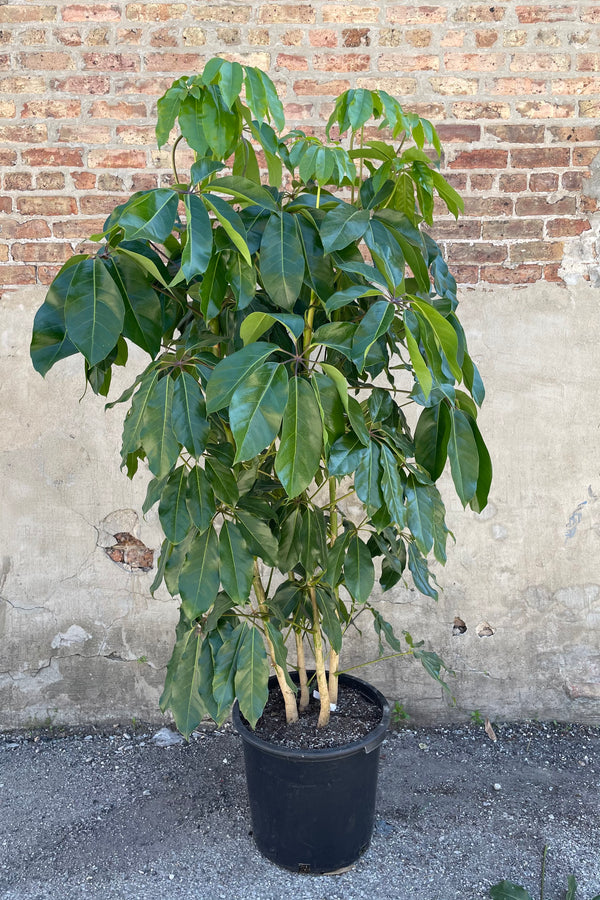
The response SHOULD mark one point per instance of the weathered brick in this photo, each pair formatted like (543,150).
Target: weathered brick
(19,14)
(360,15)
(463,230)
(507,87)
(11,229)
(489,110)
(129,35)
(450,133)
(540,62)
(418,37)
(485,158)
(540,158)
(76,228)
(321,37)
(574,133)
(222,13)
(590,109)
(6,204)
(82,85)
(17,275)
(515,38)
(46,60)
(8,158)
(144,182)
(154,12)
(541,109)
(473,62)
(117,159)
(95,12)
(259,36)
(390,62)
(584,156)
(572,181)
(517,134)
(343,62)
(543,182)
(53,156)
(476,253)
(575,86)
(398,86)
(481,182)
(117,109)
(136,134)
(70,37)
(486,38)
(552,273)
(8,109)
(536,251)
(111,62)
(49,181)
(23,134)
(47,274)
(591,14)
(513,184)
(83,181)
(513,275)
(18,181)
(293,37)
(310,88)
(355,37)
(164,37)
(51,109)
(286,13)
(47,206)
(108,182)
(34,37)
(97,204)
(293,62)
(479,12)
(86,134)
(540,206)
(547,38)
(174,62)
(416,15)
(510,229)
(196,37)
(531,15)
(23,84)
(567,227)
(40,252)
(450,86)
(488,207)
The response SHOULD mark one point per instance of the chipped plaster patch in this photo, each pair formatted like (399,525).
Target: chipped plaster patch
(75,634)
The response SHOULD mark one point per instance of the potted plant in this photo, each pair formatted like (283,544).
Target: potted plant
(290,319)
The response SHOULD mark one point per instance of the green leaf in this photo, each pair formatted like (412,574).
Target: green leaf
(359,572)
(258,536)
(189,415)
(231,222)
(330,406)
(367,478)
(345,455)
(172,511)
(236,563)
(313,539)
(200,499)
(282,260)
(203,168)
(252,675)
(507,890)
(94,310)
(213,287)
(340,382)
(451,198)
(134,419)
(256,93)
(49,342)
(143,312)
(335,560)
(420,513)
(299,452)
(357,421)
(242,280)
(330,622)
(256,409)
(431,439)
(375,322)
(337,335)
(444,333)
(463,453)
(190,123)
(230,80)
(348,295)
(226,662)
(199,576)
(273,101)
(571,887)
(245,190)
(289,540)
(420,571)
(144,262)
(342,226)
(484,477)
(392,487)
(422,373)
(232,371)
(257,323)
(415,258)
(181,694)
(222,481)
(360,108)
(149,215)
(167,110)
(198,246)
(156,433)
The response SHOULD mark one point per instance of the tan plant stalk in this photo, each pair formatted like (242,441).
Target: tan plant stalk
(304,695)
(320,663)
(334,664)
(289,698)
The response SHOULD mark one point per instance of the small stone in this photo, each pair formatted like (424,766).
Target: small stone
(88,737)
(145,793)
(497,787)
(171,877)
(166,738)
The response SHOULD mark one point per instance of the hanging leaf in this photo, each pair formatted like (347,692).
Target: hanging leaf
(375,322)
(49,342)
(172,511)
(199,238)
(431,439)
(330,623)
(420,513)
(245,190)
(149,215)
(359,573)
(232,371)
(189,415)
(342,226)
(299,452)
(281,260)
(156,433)
(392,487)
(181,694)
(200,499)
(199,576)
(258,536)
(167,110)
(190,123)
(484,477)
(143,313)
(222,481)
(257,323)
(256,409)
(94,310)
(252,675)
(231,222)
(368,477)
(463,454)
(236,563)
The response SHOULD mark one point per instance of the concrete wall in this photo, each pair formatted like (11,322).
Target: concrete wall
(81,638)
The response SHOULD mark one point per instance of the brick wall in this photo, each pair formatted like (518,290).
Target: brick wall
(513,89)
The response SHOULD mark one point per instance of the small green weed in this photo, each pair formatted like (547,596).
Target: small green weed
(476,717)
(399,714)
(508,890)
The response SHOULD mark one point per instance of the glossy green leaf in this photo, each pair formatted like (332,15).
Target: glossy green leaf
(299,452)
(134,419)
(213,287)
(419,570)
(231,222)
(431,439)
(360,108)
(339,381)
(236,563)
(342,226)
(375,322)
(281,260)
(289,540)
(330,406)
(444,333)
(257,323)
(335,560)
(330,623)
(256,409)
(199,576)
(198,246)
(189,415)
(252,675)
(190,123)
(149,215)
(484,477)
(463,454)
(337,335)
(167,110)
(422,373)
(392,487)
(230,78)
(313,539)
(200,499)
(507,890)
(143,312)
(49,342)
(348,295)
(357,421)
(226,662)
(345,455)
(367,478)
(181,694)
(258,536)
(232,371)
(94,310)
(156,433)
(420,513)
(222,481)
(245,190)
(172,511)
(242,280)
(359,572)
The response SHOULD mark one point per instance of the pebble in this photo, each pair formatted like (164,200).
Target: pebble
(497,787)
(88,737)
(167,738)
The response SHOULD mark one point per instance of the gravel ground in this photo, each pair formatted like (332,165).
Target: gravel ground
(113,815)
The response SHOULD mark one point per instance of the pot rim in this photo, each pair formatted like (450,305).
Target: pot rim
(366,744)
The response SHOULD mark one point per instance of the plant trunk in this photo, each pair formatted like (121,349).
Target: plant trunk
(289,698)
(320,663)
(304,695)
(334,661)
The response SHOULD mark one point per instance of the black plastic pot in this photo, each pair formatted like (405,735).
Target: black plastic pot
(314,810)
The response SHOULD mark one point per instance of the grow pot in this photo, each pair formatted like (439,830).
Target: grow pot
(313,810)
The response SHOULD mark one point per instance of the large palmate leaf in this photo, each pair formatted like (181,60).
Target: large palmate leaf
(189,415)
(256,409)
(143,311)
(156,434)
(232,371)
(199,576)
(149,215)
(342,226)
(199,237)
(49,342)
(281,260)
(236,563)
(299,452)
(94,310)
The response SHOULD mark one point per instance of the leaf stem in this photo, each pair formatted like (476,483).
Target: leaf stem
(173,163)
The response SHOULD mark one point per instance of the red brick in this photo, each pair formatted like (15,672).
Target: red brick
(473,62)
(20,14)
(18,181)
(344,62)
(540,206)
(355,37)
(509,229)
(450,133)
(517,134)
(543,182)
(567,227)
(70,37)
(575,86)
(6,204)
(136,134)
(82,85)
(155,12)
(540,62)
(531,15)
(48,60)
(42,252)
(479,12)
(174,62)
(463,230)
(53,156)
(416,15)
(154,87)
(572,181)
(17,275)
(486,38)
(574,134)
(540,158)
(466,274)
(392,62)
(111,62)
(481,182)
(359,15)
(47,206)
(509,87)
(222,13)
(51,109)
(584,156)
(536,251)
(588,62)
(143,182)
(10,229)
(276,13)
(87,134)
(117,159)
(23,134)
(542,109)
(117,109)
(23,84)
(98,204)
(451,86)
(488,110)
(551,273)
(476,253)
(47,274)
(488,206)
(591,14)
(517,275)
(480,159)
(93,13)
(77,229)
(292,62)
(8,158)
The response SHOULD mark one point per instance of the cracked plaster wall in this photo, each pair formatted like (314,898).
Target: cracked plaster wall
(82,640)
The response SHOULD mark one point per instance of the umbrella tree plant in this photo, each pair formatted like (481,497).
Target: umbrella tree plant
(292,305)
